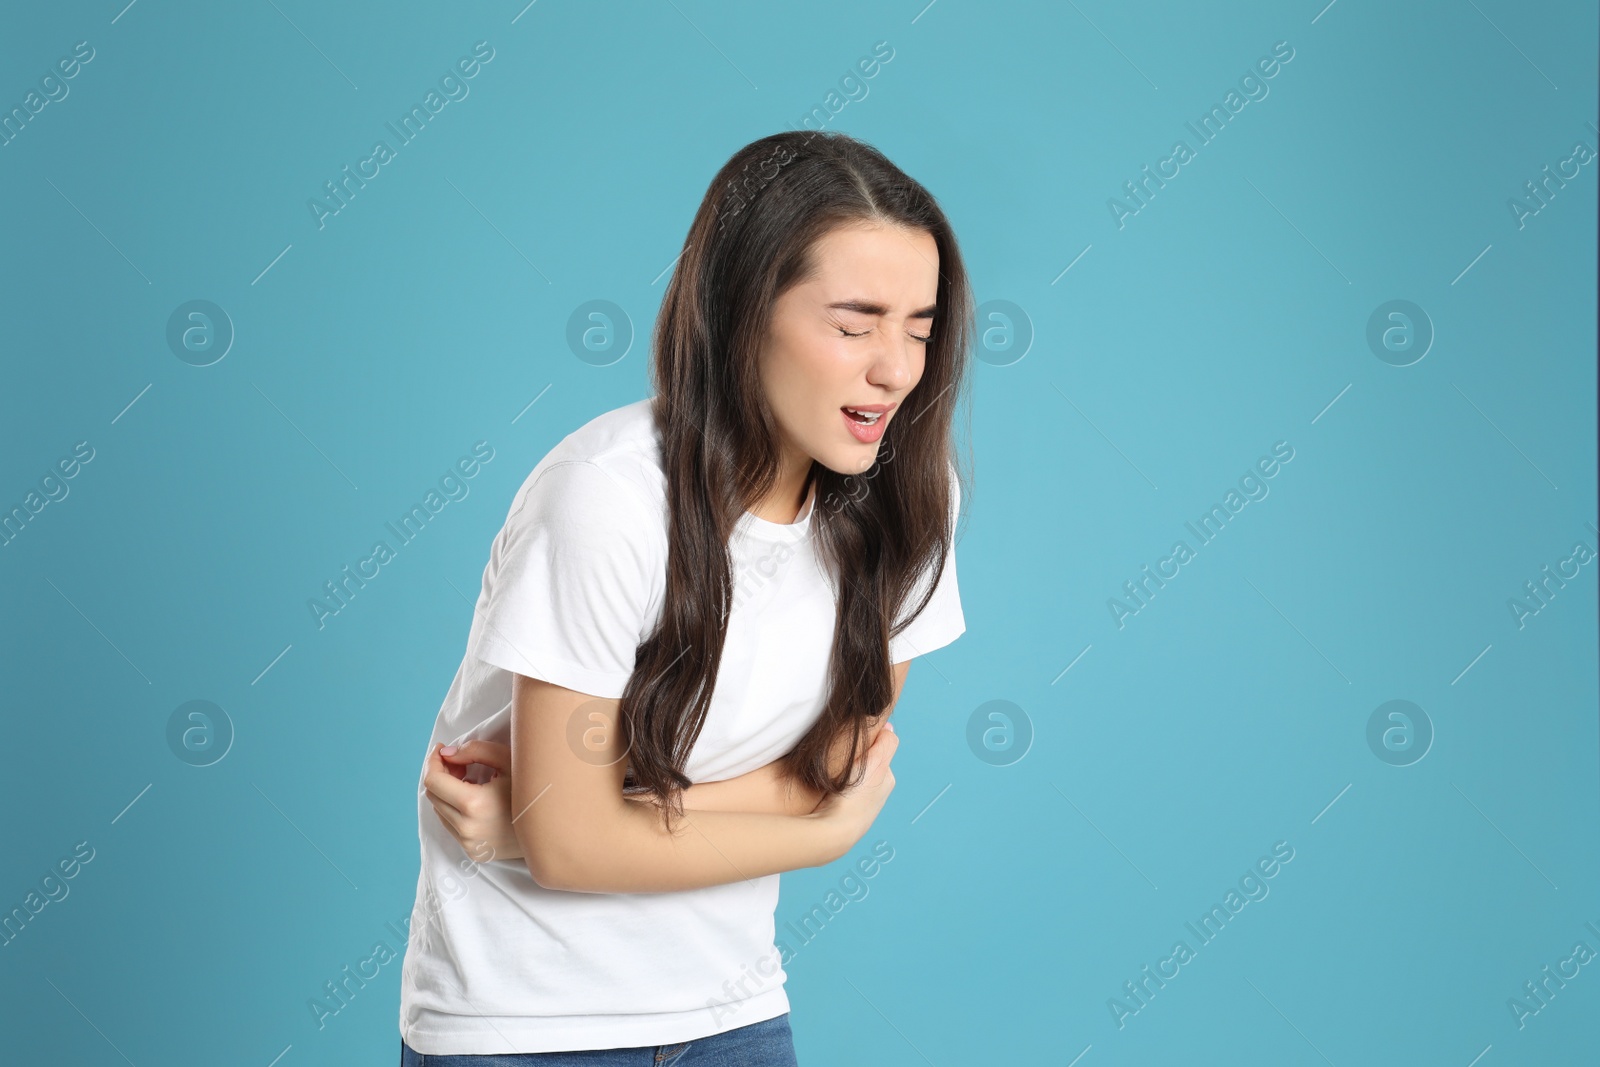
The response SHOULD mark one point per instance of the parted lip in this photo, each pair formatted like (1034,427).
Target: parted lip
(879,408)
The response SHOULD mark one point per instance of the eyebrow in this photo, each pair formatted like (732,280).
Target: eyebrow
(867,307)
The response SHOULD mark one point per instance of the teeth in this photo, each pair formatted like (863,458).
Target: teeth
(870,416)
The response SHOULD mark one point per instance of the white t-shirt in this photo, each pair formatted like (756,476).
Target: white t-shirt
(497,964)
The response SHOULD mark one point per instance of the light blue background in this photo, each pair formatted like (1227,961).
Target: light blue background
(1229,314)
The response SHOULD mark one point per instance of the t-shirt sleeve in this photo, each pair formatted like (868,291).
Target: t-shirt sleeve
(941,622)
(570,582)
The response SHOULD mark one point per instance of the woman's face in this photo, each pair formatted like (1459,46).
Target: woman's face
(850,337)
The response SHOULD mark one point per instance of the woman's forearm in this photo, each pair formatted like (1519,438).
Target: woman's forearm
(765,789)
(629,850)
(758,823)
(768,788)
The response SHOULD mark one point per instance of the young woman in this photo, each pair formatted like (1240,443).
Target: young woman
(692,628)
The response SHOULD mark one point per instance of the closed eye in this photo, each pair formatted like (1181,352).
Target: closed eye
(915,337)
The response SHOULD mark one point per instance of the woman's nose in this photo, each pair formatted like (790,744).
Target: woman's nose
(892,367)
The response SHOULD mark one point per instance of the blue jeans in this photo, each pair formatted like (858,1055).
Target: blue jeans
(765,1044)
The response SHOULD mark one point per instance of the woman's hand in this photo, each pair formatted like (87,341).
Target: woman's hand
(478,814)
(852,812)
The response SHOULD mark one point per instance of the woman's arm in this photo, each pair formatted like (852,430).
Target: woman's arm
(480,814)
(579,834)
(768,789)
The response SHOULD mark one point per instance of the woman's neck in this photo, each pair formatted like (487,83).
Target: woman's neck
(787,499)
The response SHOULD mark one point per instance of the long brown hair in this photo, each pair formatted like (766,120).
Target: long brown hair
(875,533)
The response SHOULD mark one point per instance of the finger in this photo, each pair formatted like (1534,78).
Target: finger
(882,750)
(492,753)
(884,745)
(435,766)
(461,826)
(440,782)
(437,763)
(448,814)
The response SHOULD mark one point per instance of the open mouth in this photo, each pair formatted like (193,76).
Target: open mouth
(866,418)
(865,426)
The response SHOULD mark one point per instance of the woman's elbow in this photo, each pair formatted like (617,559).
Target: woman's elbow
(565,846)
(547,864)
(556,859)
(543,870)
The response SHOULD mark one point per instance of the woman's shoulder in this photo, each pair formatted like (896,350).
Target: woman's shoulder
(606,472)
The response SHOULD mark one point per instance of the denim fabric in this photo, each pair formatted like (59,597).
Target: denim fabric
(765,1044)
